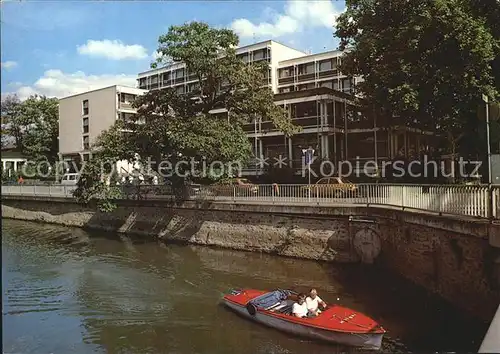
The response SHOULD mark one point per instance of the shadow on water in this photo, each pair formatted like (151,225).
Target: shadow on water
(109,293)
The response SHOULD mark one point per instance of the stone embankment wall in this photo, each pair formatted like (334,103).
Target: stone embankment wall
(449,256)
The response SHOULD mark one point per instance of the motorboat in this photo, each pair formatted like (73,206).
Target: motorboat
(335,324)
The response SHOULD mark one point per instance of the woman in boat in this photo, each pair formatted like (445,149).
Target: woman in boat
(299,308)
(314,302)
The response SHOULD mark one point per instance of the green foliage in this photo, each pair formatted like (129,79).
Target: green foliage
(97,179)
(41,138)
(34,124)
(13,122)
(170,126)
(428,62)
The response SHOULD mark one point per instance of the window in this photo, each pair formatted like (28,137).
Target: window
(258,54)
(180,89)
(306,69)
(346,85)
(286,72)
(193,87)
(179,73)
(85,107)
(127,98)
(325,65)
(244,57)
(85,125)
(86,143)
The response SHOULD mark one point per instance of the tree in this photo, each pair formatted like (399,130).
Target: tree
(180,127)
(427,62)
(33,124)
(40,141)
(13,122)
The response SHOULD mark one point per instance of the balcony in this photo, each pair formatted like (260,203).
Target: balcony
(179,80)
(285,80)
(306,77)
(125,105)
(328,73)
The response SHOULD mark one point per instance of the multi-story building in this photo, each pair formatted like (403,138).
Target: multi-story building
(176,75)
(319,98)
(83,117)
(312,71)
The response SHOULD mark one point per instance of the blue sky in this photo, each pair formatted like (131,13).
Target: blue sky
(58,48)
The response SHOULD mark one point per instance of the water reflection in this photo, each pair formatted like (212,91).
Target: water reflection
(66,290)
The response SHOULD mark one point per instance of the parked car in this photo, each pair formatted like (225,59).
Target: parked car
(70,179)
(331,187)
(234,187)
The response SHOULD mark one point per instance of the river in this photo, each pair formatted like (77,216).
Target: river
(67,290)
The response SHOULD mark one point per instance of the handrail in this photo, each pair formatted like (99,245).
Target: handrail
(464,200)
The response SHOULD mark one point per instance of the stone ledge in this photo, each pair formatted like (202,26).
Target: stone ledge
(475,227)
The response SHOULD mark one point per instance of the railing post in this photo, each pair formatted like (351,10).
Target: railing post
(489,212)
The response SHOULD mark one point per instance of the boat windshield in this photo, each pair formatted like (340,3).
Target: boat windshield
(271,299)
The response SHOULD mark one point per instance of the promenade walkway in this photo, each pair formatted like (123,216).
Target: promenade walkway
(471,201)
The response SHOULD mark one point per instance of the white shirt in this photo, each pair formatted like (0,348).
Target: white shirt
(313,304)
(299,310)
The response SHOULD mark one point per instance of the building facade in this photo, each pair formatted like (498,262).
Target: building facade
(83,117)
(319,98)
(176,75)
(311,88)
(12,159)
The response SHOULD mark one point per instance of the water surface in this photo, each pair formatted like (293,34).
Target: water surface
(66,290)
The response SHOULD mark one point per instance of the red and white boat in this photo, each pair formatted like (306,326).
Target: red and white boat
(335,324)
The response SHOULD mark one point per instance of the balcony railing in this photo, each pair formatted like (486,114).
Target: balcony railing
(125,105)
(472,201)
(305,77)
(285,80)
(327,73)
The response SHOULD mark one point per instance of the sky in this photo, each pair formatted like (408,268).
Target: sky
(60,48)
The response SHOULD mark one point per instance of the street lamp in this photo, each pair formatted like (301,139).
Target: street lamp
(308,153)
(490,204)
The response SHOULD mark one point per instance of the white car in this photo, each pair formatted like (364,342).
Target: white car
(70,179)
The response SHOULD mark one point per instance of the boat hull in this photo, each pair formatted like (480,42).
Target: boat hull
(361,340)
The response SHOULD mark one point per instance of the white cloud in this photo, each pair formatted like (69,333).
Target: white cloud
(7,65)
(297,16)
(156,55)
(112,49)
(55,83)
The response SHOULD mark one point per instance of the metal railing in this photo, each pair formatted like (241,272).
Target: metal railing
(445,199)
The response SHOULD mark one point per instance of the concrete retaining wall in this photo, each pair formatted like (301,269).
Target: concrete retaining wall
(449,256)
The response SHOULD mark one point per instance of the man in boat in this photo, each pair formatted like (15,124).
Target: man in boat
(299,308)
(314,303)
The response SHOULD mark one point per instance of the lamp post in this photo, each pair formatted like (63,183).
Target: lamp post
(309,153)
(490,195)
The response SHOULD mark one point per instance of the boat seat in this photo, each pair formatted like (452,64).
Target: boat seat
(278,306)
(287,310)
